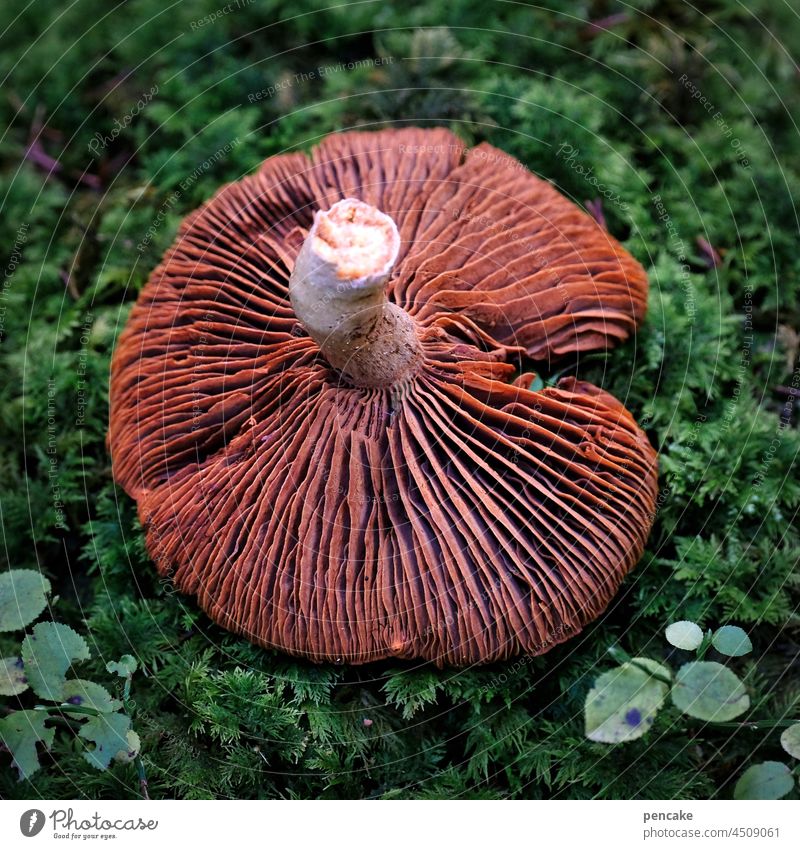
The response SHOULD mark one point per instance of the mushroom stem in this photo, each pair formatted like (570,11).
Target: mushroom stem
(337,290)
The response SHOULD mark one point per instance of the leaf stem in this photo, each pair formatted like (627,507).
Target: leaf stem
(130,709)
(67,708)
(704,645)
(620,655)
(657,675)
(142,776)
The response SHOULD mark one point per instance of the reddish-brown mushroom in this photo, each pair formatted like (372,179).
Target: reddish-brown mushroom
(315,405)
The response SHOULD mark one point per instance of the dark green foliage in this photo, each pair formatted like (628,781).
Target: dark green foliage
(705,198)
(38,672)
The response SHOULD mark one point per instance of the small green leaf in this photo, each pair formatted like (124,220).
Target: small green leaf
(20,732)
(47,654)
(710,691)
(109,733)
(88,694)
(124,667)
(12,677)
(684,635)
(768,780)
(732,641)
(790,740)
(23,596)
(624,702)
(134,747)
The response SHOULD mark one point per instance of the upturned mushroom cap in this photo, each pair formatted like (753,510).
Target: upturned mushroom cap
(323,427)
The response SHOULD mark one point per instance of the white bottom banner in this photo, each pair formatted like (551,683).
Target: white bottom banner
(400,825)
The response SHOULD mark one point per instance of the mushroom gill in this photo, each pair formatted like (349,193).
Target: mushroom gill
(314,405)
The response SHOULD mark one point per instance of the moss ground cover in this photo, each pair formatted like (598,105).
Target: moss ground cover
(677,125)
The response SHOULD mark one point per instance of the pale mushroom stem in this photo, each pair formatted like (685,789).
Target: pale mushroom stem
(337,290)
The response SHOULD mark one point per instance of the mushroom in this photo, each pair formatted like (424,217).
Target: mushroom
(316,405)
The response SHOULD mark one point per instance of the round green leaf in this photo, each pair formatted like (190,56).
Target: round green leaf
(134,746)
(684,635)
(769,780)
(88,694)
(109,733)
(47,654)
(624,701)
(12,677)
(732,641)
(23,596)
(790,740)
(710,691)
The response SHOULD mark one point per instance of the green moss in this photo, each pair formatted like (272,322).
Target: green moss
(219,717)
